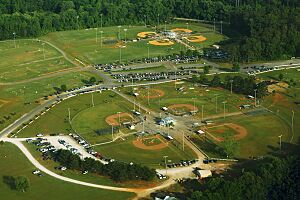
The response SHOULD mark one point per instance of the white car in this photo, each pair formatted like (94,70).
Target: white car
(40,135)
(36,171)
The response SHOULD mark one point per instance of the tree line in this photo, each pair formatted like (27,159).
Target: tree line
(118,171)
(238,84)
(274,178)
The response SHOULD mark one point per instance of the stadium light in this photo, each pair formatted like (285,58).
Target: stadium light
(101,32)
(224,108)
(96,35)
(15,39)
(44,51)
(231,81)
(125,30)
(280,136)
(165,157)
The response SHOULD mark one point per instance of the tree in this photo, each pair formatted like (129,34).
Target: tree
(216,81)
(280,76)
(236,67)
(92,80)
(63,88)
(206,69)
(21,183)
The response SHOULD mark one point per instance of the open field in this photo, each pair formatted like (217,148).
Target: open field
(27,60)
(190,94)
(262,135)
(85,119)
(14,163)
(287,75)
(125,150)
(83,44)
(21,98)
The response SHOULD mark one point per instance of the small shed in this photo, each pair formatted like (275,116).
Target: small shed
(200,132)
(203,173)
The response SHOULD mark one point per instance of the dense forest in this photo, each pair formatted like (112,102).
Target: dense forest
(263,30)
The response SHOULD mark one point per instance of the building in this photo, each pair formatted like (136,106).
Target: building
(167,121)
(203,173)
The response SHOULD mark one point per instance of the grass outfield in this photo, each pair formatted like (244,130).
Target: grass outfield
(126,151)
(82,43)
(85,118)
(21,98)
(27,60)
(202,96)
(14,163)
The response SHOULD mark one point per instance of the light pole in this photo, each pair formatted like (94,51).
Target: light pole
(165,157)
(101,32)
(125,30)
(231,81)
(182,141)
(145,20)
(224,108)
(255,97)
(101,20)
(202,112)
(120,59)
(280,141)
(187,25)
(15,39)
(221,27)
(165,26)
(194,104)
(44,51)
(112,132)
(157,20)
(69,111)
(96,35)
(148,95)
(148,51)
(293,115)
(214,24)
(216,103)
(119,35)
(119,120)
(93,100)
(77,22)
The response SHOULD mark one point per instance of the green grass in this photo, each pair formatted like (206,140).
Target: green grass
(22,98)
(82,43)
(287,75)
(201,96)
(14,163)
(127,152)
(85,118)
(27,60)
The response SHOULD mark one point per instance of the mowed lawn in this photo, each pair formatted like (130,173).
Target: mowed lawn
(263,131)
(83,44)
(85,118)
(193,95)
(16,100)
(27,60)
(124,150)
(14,163)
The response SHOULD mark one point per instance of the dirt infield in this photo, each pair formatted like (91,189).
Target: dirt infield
(139,143)
(198,38)
(146,34)
(241,132)
(180,109)
(164,42)
(153,94)
(182,30)
(113,120)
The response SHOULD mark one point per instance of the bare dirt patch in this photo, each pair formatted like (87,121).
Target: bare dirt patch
(163,42)
(143,143)
(3,102)
(196,38)
(278,87)
(113,120)
(153,94)
(240,131)
(182,30)
(146,34)
(180,109)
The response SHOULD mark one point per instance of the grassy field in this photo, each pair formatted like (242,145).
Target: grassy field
(27,60)
(85,118)
(82,44)
(190,95)
(15,100)
(14,163)
(262,137)
(124,150)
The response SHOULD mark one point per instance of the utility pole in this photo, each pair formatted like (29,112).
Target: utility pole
(255,97)
(280,141)
(165,157)
(44,51)
(15,39)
